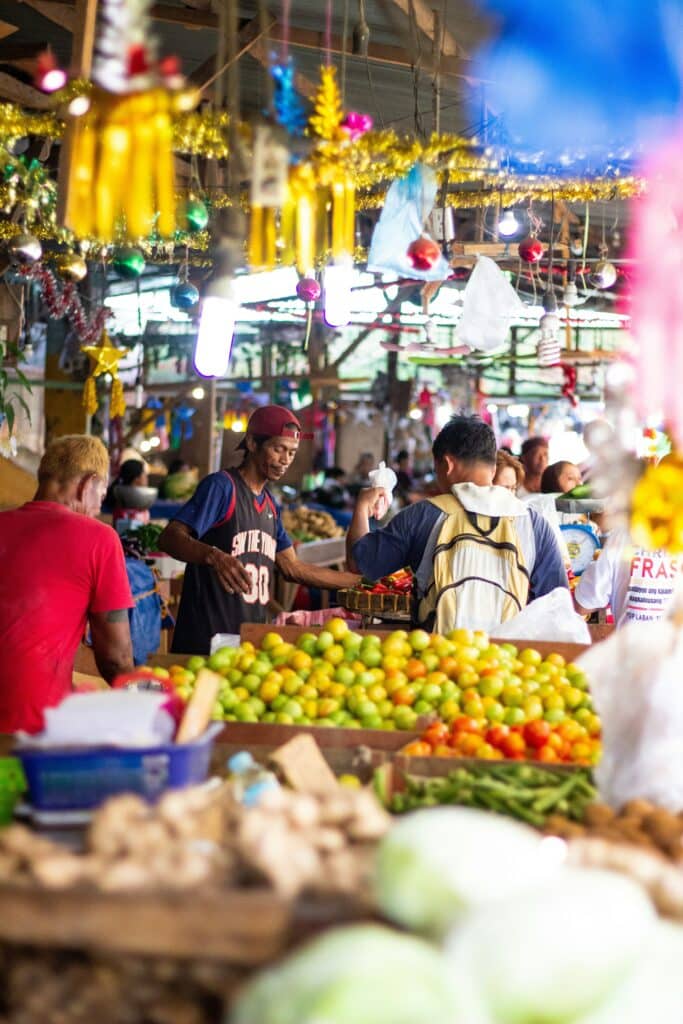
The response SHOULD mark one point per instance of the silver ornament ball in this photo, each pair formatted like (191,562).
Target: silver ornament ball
(24,249)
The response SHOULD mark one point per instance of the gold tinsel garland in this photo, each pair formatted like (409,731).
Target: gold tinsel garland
(376,157)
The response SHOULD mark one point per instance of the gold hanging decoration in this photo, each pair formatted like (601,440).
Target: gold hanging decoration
(104,358)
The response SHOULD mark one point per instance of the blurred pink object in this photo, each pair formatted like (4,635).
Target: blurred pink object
(356,124)
(657,294)
(318,618)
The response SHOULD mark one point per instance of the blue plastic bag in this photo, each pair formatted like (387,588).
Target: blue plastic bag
(408,203)
(145,617)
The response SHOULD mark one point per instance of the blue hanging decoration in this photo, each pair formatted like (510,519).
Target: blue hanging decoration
(181,424)
(184,295)
(245,387)
(289,109)
(283,392)
(576,73)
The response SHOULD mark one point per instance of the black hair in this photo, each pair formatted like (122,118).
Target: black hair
(176,466)
(403,454)
(550,481)
(129,471)
(531,444)
(335,472)
(468,439)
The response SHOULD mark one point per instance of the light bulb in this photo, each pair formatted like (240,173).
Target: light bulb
(337,281)
(213,347)
(79,105)
(198,393)
(52,79)
(238,425)
(508,224)
(415,413)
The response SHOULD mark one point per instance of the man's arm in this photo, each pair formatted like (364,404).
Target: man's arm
(177,541)
(111,642)
(312,575)
(371,503)
(549,570)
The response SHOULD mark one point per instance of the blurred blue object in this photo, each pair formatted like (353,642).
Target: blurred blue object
(584,72)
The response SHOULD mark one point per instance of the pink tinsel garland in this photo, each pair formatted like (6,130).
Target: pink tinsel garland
(68,304)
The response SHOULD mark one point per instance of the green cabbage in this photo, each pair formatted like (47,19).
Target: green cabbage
(435,864)
(555,953)
(654,990)
(362,974)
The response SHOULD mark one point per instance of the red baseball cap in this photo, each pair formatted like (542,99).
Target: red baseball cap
(274,421)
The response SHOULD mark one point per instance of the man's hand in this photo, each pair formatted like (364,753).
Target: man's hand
(233,576)
(374,502)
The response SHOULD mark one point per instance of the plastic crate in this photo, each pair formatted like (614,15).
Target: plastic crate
(72,779)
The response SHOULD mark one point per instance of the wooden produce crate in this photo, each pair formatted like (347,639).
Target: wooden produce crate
(358,751)
(245,927)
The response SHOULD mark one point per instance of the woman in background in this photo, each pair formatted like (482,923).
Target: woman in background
(560,477)
(509,472)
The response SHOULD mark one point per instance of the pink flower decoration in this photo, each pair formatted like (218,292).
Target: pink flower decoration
(356,124)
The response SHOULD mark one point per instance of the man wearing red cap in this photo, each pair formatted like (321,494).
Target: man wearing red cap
(231,536)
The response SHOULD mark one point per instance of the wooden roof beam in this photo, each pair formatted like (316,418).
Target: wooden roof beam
(309,39)
(424,19)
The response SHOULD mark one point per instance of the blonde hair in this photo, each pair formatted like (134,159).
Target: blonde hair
(72,456)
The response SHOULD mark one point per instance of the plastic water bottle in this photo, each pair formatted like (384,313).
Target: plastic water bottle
(250,780)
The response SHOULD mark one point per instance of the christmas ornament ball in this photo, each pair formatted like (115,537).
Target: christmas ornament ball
(196,214)
(423,253)
(25,249)
(308,289)
(530,250)
(128,262)
(604,274)
(72,266)
(184,295)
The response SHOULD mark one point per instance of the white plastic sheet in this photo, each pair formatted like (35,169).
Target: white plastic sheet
(490,303)
(636,681)
(551,617)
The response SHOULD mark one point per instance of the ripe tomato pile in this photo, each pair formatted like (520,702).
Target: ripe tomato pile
(538,740)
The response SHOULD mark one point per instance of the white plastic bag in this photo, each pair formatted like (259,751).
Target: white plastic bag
(636,681)
(489,304)
(551,617)
(407,204)
(385,477)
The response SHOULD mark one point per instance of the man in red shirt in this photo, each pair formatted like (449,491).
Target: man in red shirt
(60,569)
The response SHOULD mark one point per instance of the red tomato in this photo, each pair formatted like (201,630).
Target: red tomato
(513,746)
(536,733)
(465,724)
(436,733)
(496,734)
(547,753)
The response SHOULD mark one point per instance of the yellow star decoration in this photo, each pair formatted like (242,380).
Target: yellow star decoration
(104,358)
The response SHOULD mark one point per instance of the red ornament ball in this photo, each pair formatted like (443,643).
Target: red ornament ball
(308,289)
(423,253)
(530,250)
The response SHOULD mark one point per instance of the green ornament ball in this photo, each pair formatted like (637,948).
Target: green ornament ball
(196,214)
(128,262)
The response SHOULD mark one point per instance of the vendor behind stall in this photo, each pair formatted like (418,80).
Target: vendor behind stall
(479,554)
(231,536)
(61,570)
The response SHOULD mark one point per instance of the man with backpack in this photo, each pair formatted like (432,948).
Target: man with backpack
(478,553)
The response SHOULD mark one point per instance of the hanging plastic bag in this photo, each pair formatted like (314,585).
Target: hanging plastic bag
(490,303)
(551,617)
(408,203)
(635,680)
(385,477)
